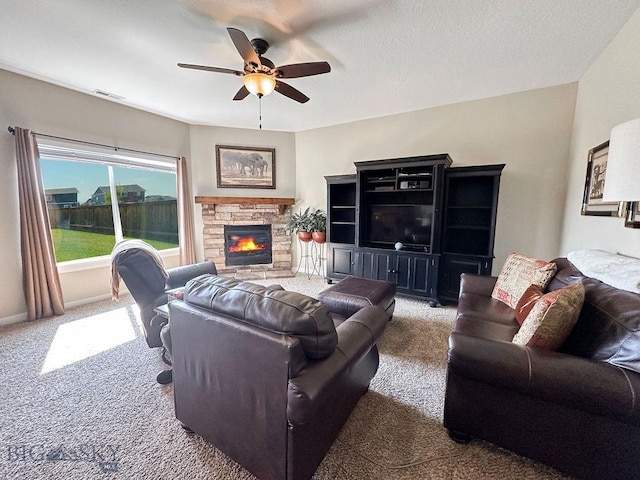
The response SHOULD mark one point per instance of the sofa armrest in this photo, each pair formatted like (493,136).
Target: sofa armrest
(574,382)
(478,284)
(179,276)
(315,384)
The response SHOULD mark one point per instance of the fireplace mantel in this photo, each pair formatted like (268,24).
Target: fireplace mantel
(281,202)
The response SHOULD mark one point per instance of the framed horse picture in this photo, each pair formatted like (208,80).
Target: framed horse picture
(245,167)
(592,203)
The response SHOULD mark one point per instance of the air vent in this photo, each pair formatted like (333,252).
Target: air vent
(107,94)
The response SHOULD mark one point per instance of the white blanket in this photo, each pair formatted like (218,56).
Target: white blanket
(126,245)
(618,271)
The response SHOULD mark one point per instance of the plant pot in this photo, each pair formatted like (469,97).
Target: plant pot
(319,237)
(304,236)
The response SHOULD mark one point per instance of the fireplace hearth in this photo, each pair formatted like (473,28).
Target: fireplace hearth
(247,244)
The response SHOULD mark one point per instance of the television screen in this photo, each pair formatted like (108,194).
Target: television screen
(408,224)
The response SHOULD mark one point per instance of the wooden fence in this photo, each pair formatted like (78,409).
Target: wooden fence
(146,220)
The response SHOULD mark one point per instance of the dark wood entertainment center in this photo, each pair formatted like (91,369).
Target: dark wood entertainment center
(414,221)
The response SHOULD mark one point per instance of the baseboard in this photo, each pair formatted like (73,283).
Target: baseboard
(22,317)
(84,301)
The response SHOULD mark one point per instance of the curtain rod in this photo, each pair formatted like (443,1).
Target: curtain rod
(12,131)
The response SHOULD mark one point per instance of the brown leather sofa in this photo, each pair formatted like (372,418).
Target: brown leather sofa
(266,375)
(577,409)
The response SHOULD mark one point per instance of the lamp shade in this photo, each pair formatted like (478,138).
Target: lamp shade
(259,83)
(622,178)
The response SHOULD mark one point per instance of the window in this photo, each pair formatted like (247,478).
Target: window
(96,197)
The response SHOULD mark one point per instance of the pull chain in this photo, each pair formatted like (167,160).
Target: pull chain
(260,109)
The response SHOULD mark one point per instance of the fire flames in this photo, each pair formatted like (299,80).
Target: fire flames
(247,244)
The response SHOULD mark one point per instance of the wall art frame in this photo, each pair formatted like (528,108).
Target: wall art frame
(245,167)
(592,203)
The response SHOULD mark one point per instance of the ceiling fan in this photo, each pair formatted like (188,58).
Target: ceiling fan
(260,76)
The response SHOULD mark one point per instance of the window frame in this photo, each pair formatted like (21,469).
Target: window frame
(68,151)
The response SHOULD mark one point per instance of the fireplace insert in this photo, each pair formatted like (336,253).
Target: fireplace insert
(247,244)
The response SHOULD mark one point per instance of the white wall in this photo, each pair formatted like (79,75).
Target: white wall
(53,110)
(530,132)
(203,160)
(608,94)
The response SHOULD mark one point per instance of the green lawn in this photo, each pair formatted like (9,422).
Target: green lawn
(74,245)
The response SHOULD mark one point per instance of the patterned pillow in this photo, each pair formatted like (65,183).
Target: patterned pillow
(517,273)
(552,318)
(527,301)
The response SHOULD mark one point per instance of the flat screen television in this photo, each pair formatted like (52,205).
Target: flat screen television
(408,224)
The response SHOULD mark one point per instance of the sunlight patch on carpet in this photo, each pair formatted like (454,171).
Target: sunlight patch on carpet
(89,336)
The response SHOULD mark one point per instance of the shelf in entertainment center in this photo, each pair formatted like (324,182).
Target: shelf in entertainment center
(468,227)
(396,190)
(396,205)
(466,207)
(412,248)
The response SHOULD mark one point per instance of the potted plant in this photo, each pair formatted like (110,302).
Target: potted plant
(319,226)
(301,223)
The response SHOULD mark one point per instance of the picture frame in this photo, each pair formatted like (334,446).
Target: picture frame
(592,203)
(632,215)
(245,167)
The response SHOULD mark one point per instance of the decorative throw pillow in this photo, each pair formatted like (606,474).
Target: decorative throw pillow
(529,298)
(517,273)
(552,318)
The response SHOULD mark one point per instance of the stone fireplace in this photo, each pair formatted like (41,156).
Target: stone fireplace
(262,218)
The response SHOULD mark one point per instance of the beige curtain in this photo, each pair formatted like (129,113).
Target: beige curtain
(185,215)
(42,290)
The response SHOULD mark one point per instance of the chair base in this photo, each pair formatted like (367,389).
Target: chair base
(459,437)
(165,377)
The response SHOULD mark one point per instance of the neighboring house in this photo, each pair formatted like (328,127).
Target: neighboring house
(159,198)
(61,197)
(126,194)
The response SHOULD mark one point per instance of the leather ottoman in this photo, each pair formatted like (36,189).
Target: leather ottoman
(353,293)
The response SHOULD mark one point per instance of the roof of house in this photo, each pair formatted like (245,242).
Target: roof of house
(60,191)
(125,189)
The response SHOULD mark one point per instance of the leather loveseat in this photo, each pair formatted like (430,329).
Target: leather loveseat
(267,375)
(577,409)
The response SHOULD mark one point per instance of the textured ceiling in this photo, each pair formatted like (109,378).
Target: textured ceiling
(387,56)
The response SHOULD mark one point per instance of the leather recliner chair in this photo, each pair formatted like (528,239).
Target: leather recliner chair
(140,267)
(265,375)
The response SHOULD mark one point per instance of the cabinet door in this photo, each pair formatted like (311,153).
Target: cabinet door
(453,267)
(341,261)
(402,272)
(375,265)
(414,274)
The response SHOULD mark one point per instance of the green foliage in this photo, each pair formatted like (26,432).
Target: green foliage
(107,194)
(75,245)
(300,222)
(307,221)
(319,221)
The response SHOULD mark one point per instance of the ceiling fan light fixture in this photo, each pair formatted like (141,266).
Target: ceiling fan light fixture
(259,84)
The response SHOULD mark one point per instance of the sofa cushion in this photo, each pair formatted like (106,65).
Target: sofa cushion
(527,301)
(517,273)
(481,315)
(271,308)
(552,318)
(608,328)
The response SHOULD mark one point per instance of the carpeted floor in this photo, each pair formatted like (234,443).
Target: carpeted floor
(80,401)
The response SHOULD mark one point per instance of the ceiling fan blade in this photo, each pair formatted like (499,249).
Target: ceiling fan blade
(210,69)
(288,91)
(244,46)
(297,70)
(242,93)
